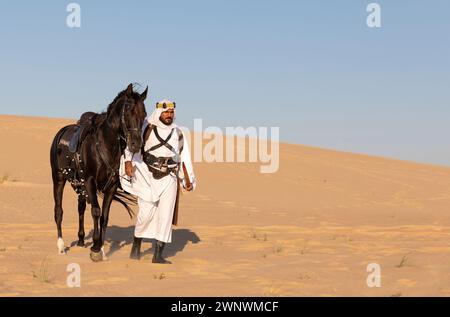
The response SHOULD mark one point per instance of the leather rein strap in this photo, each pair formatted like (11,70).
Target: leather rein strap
(113,171)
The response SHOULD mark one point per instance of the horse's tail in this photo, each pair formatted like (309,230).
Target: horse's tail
(125,199)
(54,148)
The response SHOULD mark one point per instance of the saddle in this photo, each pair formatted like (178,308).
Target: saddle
(84,126)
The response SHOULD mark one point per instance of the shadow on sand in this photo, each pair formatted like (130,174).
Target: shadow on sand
(120,237)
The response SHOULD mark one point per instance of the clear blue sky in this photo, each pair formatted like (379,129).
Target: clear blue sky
(313,68)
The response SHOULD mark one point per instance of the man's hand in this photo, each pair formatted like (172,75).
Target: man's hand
(129,169)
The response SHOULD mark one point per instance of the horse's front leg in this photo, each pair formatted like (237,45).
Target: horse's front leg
(107,200)
(91,187)
(81,209)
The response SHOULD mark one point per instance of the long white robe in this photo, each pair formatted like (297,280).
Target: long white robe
(156,197)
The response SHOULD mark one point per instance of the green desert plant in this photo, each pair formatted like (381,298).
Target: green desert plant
(4,178)
(159,277)
(278,249)
(403,261)
(43,274)
(304,248)
(262,237)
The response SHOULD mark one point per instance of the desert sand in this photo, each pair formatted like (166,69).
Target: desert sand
(309,230)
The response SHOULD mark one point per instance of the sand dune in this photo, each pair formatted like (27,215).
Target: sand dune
(309,230)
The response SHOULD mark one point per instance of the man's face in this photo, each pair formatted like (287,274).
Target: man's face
(167,117)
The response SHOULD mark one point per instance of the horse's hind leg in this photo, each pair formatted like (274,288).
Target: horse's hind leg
(81,210)
(58,190)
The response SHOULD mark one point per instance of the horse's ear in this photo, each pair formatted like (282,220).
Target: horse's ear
(144,94)
(129,90)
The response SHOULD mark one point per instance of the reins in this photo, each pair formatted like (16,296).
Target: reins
(113,170)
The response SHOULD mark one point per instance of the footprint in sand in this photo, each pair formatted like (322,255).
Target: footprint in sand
(227,203)
(204,198)
(251,209)
(279,213)
(15,183)
(407,282)
(110,280)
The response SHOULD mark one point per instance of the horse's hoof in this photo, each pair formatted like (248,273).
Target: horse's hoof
(80,243)
(160,260)
(96,256)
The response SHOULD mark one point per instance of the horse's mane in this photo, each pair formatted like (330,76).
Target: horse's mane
(135,95)
(124,198)
(114,102)
(101,117)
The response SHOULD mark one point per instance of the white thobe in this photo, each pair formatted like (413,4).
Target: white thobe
(156,197)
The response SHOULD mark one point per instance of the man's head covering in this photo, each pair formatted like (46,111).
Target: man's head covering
(154,117)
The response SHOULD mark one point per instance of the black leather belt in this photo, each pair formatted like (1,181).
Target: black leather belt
(159,166)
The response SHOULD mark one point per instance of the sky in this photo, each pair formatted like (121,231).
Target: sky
(312,68)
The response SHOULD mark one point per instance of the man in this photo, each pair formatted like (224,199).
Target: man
(154,176)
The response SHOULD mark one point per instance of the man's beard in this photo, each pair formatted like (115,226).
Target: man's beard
(166,121)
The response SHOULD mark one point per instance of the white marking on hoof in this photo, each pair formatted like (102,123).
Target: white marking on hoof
(61,247)
(104,255)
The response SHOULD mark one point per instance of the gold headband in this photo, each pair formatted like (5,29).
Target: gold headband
(169,105)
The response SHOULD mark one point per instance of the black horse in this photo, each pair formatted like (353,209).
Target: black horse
(92,167)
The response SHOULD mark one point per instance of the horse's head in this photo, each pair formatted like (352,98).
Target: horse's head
(129,112)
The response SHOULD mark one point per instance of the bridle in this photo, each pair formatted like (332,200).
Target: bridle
(126,131)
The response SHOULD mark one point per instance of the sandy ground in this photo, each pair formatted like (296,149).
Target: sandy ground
(309,230)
